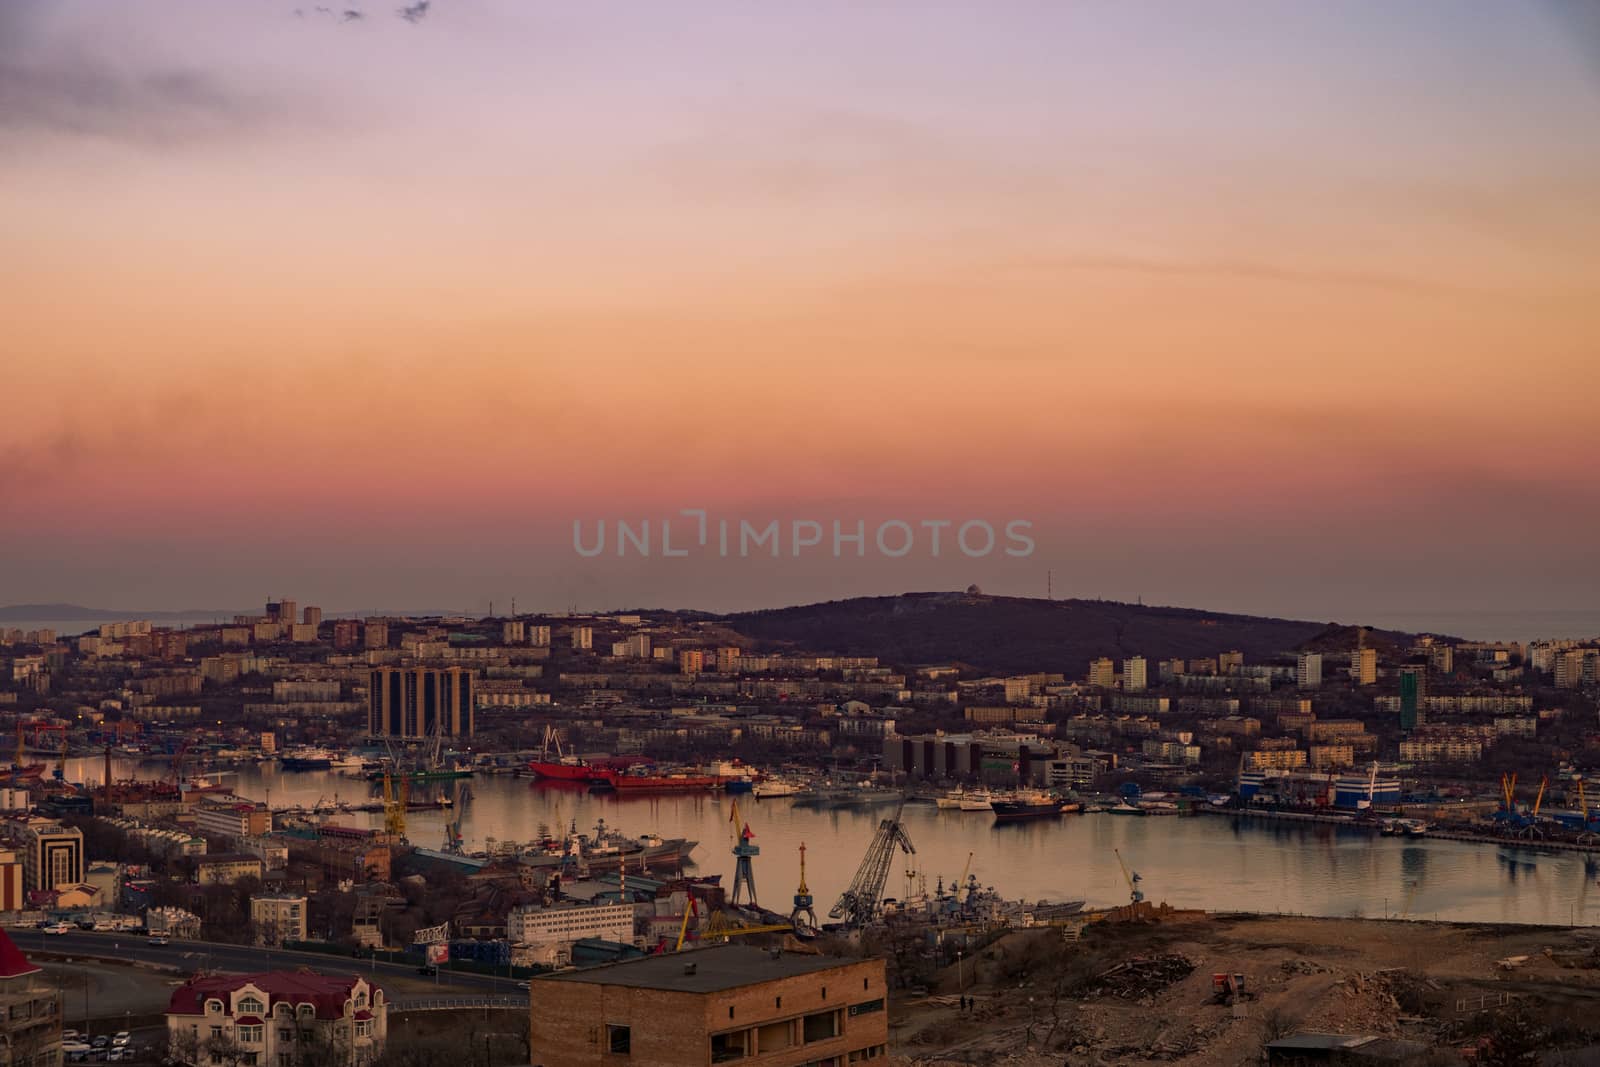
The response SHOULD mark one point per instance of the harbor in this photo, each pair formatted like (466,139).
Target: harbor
(1258,862)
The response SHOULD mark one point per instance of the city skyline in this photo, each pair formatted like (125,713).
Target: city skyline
(1285,313)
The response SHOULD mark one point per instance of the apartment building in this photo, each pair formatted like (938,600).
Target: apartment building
(52,855)
(233,817)
(278,917)
(420,702)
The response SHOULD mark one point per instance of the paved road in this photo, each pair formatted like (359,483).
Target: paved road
(240,959)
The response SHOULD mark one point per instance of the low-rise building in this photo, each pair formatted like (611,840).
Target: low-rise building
(30,1011)
(532,924)
(711,1006)
(277,1019)
(225,868)
(172,922)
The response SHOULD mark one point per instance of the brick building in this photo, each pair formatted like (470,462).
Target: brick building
(710,1006)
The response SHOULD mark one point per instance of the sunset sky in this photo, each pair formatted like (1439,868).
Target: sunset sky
(1287,308)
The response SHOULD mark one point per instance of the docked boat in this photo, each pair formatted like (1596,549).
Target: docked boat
(950,801)
(1071,808)
(605,847)
(772,788)
(306,759)
(978,801)
(1021,806)
(1122,807)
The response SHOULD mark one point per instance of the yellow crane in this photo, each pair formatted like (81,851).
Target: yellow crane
(683,931)
(394,811)
(1135,894)
(719,928)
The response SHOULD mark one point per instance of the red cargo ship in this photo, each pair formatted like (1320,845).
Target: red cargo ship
(572,769)
(644,780)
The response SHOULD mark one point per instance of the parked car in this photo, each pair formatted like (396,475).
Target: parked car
(102,1041)
(428,969)
(121,1039)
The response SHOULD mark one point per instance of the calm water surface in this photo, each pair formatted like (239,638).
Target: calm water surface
(1200,862)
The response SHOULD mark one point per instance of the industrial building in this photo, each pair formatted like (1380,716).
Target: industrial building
(713,1005)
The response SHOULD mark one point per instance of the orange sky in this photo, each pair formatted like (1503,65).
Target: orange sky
(308,286)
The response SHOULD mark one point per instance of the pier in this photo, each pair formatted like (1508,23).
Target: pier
(1433,833)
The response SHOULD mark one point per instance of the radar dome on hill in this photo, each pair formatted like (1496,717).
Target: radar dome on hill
(973,590)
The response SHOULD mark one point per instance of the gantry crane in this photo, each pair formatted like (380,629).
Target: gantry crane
(858,905)
(744,853)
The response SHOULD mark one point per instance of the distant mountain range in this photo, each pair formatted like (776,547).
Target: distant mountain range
(1015,634)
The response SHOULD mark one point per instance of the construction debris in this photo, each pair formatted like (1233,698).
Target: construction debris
(1141,977)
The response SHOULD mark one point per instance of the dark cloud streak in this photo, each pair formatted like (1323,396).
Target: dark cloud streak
(68,88)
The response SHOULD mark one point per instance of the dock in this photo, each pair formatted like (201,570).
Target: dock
(1474,837)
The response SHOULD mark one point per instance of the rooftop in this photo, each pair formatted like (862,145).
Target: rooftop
(706,970)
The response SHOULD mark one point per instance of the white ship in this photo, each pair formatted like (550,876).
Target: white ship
(768,788)
(979,801)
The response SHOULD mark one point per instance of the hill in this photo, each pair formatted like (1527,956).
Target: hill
(1016,634)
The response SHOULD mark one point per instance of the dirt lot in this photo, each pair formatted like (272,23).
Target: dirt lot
(1042,998)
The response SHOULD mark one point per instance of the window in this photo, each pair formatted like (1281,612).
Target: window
(251,1033)
(619,1039)
(863,983)
(734,1046)
(216,1033)
(777,1003)
(774,1036)
(820,1027)
(285,1034)
(872,1052)
(250,1006)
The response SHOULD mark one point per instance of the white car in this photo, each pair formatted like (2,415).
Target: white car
(121,1039)
(58,928)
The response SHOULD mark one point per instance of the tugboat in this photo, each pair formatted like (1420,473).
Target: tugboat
(1019,806)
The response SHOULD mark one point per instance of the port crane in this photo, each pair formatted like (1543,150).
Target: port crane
(804,917)
(720,927)
(1132,877)
(744,853)
(394,808)
(858,905)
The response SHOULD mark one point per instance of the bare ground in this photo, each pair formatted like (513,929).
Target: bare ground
(1038,1001)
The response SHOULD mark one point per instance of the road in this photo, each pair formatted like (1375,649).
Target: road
(192,956)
